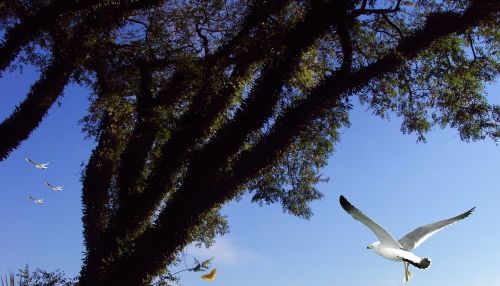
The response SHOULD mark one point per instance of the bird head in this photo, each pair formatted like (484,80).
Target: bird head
(373,245)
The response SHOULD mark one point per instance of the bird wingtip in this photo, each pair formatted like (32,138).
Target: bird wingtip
(346,205)
(469,212)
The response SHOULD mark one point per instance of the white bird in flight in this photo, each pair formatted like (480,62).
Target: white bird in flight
(37,165)
(399,250)
(323,180)
(36,201)
(54,188)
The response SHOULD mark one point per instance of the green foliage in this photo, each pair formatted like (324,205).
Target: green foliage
(41,277)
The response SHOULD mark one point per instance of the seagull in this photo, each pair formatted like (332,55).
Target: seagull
(400,250)
(36,201)
(323,180)
(210,276)
(54,188)
(37,165)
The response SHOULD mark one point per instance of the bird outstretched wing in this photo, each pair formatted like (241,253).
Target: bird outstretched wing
(322,180)
(419,235)
(384,236)
(30,161)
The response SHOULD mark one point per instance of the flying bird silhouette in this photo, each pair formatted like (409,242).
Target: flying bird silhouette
(210,276)
(323,180)
(38,165)
(54,188)
(36,201)
(399,250)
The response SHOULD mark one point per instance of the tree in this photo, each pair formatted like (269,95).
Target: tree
(41,277)
(195,103)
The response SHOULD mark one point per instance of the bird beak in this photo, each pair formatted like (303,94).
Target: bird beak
(369,247)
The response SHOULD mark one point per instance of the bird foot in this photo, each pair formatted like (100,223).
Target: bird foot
(407,273)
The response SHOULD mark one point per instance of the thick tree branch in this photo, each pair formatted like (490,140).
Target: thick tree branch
(344,33)
(133,158)
(18,36)
(28,115)
(204,39)
(392,24)
(471,43)
(96,183)
(158,246)
(100,170)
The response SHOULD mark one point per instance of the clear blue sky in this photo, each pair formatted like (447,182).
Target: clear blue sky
(399,183)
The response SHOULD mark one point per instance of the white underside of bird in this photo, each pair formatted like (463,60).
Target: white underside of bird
(37,165)
(54,188)
(399,250)
(393,253)
(36,201)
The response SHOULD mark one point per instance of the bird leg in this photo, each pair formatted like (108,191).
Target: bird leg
(407,271)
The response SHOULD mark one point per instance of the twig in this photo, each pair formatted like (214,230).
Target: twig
(471,42)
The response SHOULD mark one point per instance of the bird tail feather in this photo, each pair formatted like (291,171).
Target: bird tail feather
(422,264)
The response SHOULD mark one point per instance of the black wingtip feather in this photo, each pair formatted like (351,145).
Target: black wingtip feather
(346,205)
(467,213)
(424,263)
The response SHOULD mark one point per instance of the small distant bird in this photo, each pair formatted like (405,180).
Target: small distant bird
(399,250)
(36,201)
(323,180)
(37,165)
(210,276)
(54,188)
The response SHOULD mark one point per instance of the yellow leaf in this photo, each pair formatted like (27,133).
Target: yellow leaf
(210,276)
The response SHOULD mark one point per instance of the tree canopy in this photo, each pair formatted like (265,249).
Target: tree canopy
(196,103)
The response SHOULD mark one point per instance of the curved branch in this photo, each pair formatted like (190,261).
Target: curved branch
(346,44)
(393,25)
(133,158)
(28,115)
(96,183)
(18,36)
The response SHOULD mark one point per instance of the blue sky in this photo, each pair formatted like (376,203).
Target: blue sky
(399,183)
